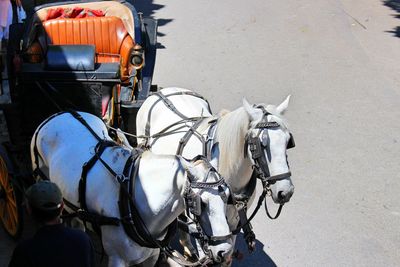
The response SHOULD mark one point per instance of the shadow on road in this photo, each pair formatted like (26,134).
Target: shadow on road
(395,5)
(148,8)
(257,258)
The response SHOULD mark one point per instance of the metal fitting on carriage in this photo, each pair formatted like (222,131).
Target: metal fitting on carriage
(137,56)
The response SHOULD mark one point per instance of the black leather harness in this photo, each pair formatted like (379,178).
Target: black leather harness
(168,103)
(183,124)
(261,170)
(130,219)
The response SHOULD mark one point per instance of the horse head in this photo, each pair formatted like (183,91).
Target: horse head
(267,142)
(207,203)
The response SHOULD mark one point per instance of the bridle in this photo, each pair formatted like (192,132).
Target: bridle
(252,144)
(260,165)
(261,172)
(193,206)
(131,220)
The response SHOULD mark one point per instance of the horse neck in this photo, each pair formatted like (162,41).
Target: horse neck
(231,133)
(165,202)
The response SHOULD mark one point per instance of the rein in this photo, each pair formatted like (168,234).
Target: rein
(261,170)
(131,220)
(193,207)
(196,122)
(239,201)
(133,223)
(168,103)
(260,166)
(193,202)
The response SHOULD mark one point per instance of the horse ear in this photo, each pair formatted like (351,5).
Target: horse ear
(250,110)
(283,106)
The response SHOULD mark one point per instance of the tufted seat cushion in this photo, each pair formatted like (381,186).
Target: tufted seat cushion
(108,34)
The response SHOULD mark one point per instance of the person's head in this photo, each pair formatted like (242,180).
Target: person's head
(44,201)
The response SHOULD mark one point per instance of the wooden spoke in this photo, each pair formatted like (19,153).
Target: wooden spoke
(2,208)
(11,201)
(10,212)
(12,218)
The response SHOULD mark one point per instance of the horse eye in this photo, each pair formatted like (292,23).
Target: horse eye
(264,139)
(264,142)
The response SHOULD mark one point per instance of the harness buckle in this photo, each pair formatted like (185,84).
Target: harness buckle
(207,137)
(193,201)
(241,204)
(121,178)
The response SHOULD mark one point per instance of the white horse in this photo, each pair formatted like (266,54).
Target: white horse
(62,145)
(232,144)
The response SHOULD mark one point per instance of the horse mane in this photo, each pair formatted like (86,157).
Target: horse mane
(231,132)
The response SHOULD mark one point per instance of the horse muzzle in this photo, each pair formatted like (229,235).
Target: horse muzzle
(223,258)
(222,254)
(282,194)
(284,197)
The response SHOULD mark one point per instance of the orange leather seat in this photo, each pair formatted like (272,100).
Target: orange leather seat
(108,34)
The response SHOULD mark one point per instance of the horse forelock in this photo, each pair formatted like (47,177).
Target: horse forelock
(231,133)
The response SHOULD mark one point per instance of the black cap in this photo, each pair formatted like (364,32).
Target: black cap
(44,195)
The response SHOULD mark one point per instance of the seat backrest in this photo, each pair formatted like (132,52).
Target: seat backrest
(106,33)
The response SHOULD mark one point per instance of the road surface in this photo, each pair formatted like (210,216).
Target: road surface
(339,61)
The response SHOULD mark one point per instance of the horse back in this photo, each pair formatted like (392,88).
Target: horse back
(64,145)
(155,112)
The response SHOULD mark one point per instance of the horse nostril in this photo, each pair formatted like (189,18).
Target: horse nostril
(220,256)
(281,195)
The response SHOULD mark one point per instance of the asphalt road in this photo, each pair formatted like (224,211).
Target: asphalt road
(339,61)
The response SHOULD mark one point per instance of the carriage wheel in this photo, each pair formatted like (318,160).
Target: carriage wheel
(10,204)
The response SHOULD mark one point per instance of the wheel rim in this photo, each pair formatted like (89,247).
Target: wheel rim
(8,201)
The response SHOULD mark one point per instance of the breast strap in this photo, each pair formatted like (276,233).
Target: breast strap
(131,219)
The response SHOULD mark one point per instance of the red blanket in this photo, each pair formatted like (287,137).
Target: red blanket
(76,12)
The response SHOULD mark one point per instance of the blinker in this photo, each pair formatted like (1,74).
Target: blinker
(194,203)
(222,194)
(255,147)
(264,139)
(291,143)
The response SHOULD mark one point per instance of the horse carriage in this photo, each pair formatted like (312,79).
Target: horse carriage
(98,57)
(92,56)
